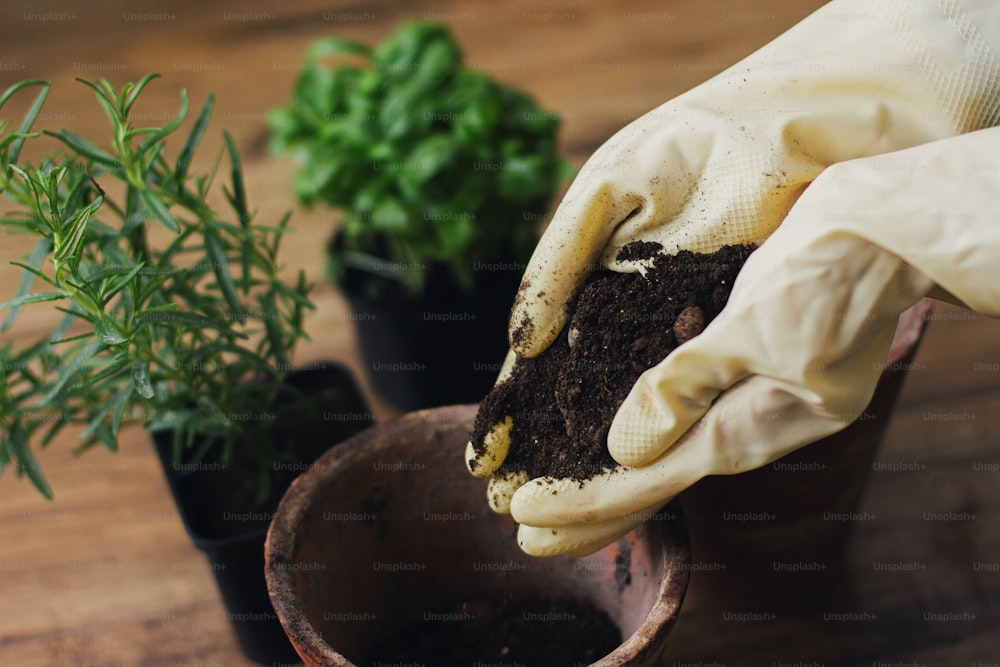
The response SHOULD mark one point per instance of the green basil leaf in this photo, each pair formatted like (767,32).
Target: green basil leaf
(389,216)
(328,47)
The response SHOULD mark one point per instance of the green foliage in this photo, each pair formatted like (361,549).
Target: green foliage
(432,162)
(194,337)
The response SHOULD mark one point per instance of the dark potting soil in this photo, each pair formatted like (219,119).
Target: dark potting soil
(562,402)
(534,633)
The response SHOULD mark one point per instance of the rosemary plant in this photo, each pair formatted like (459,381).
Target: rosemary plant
(194,337)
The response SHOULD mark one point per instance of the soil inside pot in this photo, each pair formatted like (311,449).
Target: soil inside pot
(531,632)
(619,324)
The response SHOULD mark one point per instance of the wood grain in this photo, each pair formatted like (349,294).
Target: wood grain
(105,574)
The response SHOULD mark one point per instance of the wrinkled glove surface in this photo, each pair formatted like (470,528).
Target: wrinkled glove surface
(797,352)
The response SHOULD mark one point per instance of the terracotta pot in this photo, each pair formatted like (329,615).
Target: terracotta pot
(775,534)
(389,525)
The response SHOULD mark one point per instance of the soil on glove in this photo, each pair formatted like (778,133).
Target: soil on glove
(532,632)
(619,324)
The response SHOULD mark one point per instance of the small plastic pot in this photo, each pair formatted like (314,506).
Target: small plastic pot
(444,348)
(231,537)
(389,528)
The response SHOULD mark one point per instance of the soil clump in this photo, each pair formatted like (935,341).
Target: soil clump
(562,402)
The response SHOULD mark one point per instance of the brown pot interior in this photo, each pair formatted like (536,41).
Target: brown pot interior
(390,526)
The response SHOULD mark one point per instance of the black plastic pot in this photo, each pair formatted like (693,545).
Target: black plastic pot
(444,349)
(232,537)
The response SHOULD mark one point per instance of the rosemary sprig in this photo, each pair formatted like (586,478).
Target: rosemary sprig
(194,337)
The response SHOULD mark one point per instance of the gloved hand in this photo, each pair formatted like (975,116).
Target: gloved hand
(797,351)
(726,161)
(723,163)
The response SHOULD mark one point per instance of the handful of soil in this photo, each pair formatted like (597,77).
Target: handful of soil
(562,402)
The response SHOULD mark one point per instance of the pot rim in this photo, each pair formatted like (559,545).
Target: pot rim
(669,595)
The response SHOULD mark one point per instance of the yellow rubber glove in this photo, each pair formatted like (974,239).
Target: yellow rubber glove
(725,162)
(797,351)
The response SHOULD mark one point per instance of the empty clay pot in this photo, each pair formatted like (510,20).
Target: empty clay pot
(388,529)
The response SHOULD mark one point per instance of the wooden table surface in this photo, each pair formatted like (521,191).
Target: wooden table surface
(105,574)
